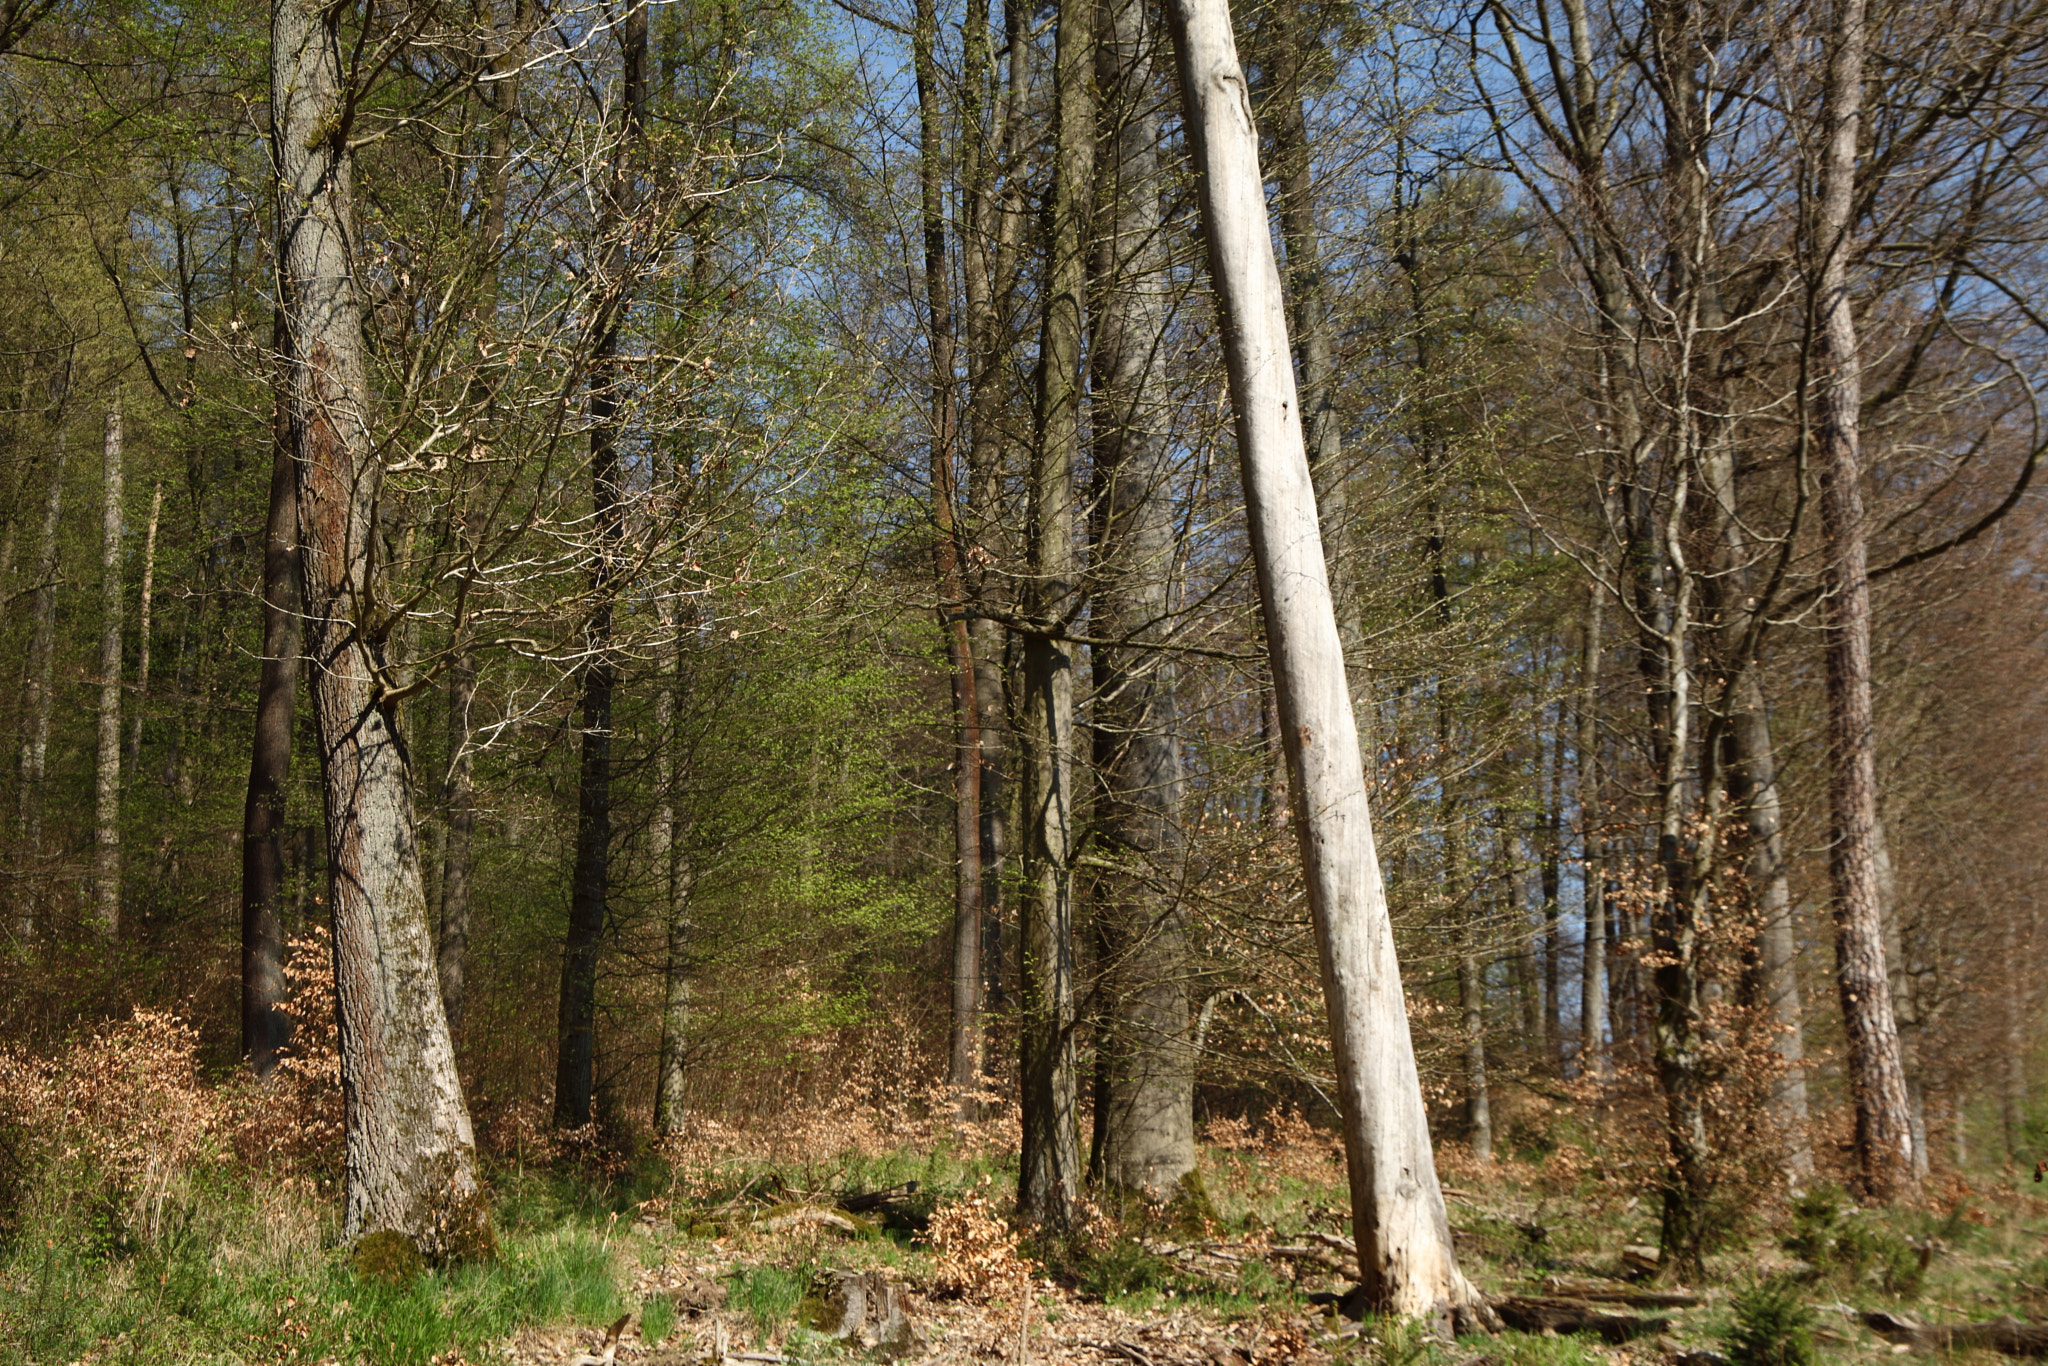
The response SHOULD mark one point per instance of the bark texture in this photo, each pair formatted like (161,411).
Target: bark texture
(106,861)
(410,1162)
(1403,1236)
(1049,1177)
(1147,1118)
(963,1063)
(590,881)
(1877,1079)
(265,1028)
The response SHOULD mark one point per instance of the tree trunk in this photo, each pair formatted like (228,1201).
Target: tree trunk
(1308,299)
(40,677)
(1406,1262)
(1049,1178)
(142,627)
(963,1065)
(1753,781)
(1148,1101)
(994,170)
(458,801)
(1594,1058)
(266,1028)
(590,882)
(674,874)
(106,864)
(410,1162)
(458,787)
(1877,1081)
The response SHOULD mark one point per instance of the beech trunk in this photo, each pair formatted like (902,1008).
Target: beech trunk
(1877,1079)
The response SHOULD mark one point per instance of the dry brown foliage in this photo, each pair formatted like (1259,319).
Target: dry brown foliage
(976,1254)
(127,1101)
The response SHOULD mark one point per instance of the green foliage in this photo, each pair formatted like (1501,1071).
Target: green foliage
(1773,1327)
(657,1319)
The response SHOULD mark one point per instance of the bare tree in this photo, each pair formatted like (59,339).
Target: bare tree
(1406,1262)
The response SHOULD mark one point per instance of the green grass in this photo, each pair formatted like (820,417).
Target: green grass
(767,1295)
(210,1288)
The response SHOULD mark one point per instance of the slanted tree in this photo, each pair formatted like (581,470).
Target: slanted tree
(1406,1262)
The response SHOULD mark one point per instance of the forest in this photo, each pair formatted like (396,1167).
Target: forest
(1073,681)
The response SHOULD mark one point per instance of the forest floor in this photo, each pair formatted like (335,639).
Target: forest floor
(745,1257)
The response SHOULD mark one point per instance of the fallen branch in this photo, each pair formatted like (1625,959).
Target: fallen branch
(2005,1334)
(811,1214)
(1540,1314)
(1594,1293)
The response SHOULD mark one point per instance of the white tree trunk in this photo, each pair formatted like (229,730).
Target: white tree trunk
(1404,1238)
(106,861)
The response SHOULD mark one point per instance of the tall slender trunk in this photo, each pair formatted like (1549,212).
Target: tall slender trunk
(1049,1176)
(1406,1262)
(590,882)
(142,627)
(1550,859)
(106,863)
(1594,1058)
(1877,1080)
(458,785)
(1148,1114)
(1754,787)
(963,1066)
(410,1162)
(675,875)
(39,679)
(265,1027)
(993,169)
(458,858)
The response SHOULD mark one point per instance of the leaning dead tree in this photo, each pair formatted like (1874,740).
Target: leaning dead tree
(1406,1262)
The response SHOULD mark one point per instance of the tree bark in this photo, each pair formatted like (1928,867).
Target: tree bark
(963,1062)
(265,1027)
(458,787)
(106,869)
(410,1162)
(1049,1177)
(40,676)
(1308,299)
(1877,1081)
(590,882)
(1594,1057)
(1406,1262)
(142,627)
(1148,1103)
(675,875)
